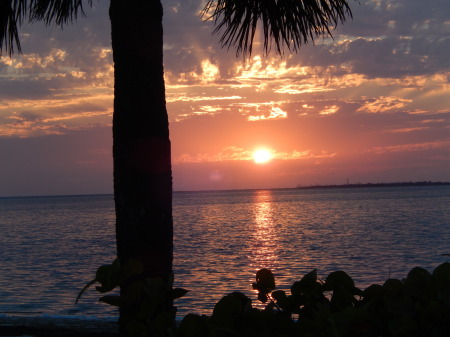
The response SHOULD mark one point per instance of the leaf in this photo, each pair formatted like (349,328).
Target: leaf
(103,273)
(270,306)
(227,311)
(419,283)
(178,292)
(342,298)
(234,303)
(393,287)
(109,276)
(442,274)
(294,302)
(339,279)
(418,277)
(279,295)
(310,279)
(288,23)
(307,281)
(265,281)
(296,288)
(373,291)
(282,300)
(114,300)
(262,297)
(194,325)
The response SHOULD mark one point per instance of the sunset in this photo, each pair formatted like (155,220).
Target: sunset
(262,156)
(370,105)
(224,167)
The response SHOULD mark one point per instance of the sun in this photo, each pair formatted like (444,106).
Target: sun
(262,156)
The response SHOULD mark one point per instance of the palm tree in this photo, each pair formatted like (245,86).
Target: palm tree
(141,144)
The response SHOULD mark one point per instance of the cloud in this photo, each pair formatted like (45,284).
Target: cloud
(383,104)
(413,147)
(371,101)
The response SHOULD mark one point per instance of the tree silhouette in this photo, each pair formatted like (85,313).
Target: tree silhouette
(141,144)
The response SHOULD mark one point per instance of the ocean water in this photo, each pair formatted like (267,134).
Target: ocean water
(51,246)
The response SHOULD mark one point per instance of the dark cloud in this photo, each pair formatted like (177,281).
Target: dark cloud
(387,39)
(24,88)
(41,87)
(396,18)
(389,57)
(92,30)
(28,116)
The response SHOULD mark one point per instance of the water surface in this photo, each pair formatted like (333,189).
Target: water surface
(50,246)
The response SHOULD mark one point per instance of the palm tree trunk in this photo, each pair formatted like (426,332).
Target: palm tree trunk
(141,145)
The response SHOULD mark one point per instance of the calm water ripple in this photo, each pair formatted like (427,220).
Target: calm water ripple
(51,246)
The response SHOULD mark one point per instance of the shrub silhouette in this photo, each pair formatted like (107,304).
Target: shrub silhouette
(417,306)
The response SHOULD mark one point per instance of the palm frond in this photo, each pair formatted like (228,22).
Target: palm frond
(58,11)
(286,23)
(12,13)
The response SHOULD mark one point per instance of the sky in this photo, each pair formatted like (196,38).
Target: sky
(370,105)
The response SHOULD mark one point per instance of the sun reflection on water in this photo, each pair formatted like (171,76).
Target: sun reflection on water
(264,237)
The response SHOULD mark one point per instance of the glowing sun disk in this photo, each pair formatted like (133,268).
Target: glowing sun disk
(262,156)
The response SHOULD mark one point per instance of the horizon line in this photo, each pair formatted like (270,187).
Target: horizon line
(316,186)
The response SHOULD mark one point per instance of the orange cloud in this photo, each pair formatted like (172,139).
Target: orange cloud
(383,104)
(411,147)
(406,130)
(233,153)
(329,110)
(275,113)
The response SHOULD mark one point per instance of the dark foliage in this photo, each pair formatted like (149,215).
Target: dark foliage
(418,306)
(289,23)
(13,12)
(145,294)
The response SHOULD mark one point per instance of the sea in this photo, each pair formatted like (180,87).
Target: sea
(51,246)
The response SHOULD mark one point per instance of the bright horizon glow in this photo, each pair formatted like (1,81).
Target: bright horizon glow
(262,156)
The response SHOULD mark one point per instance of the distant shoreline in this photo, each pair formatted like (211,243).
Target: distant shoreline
(306,187)
(397,184)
